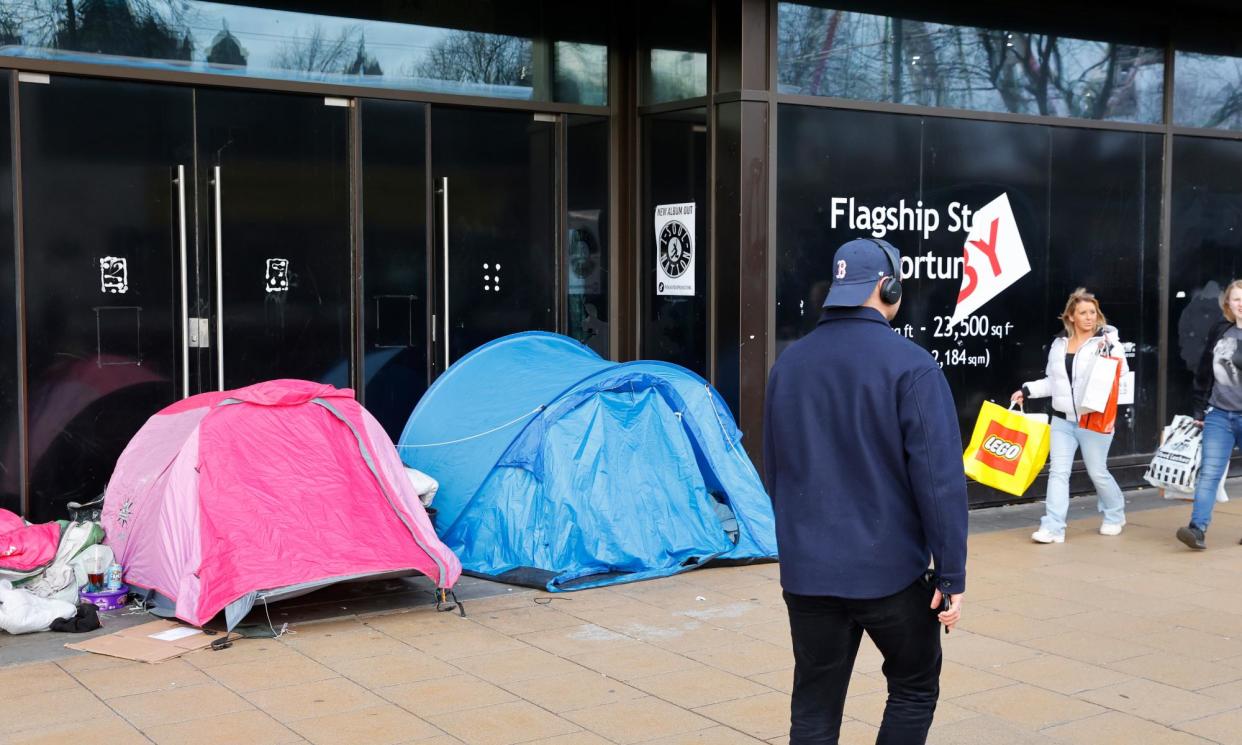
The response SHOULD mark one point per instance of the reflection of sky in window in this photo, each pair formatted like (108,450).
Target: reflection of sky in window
(677,74)
(264,32)
(398,48)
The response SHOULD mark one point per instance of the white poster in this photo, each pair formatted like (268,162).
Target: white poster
(994,257)
(675,249)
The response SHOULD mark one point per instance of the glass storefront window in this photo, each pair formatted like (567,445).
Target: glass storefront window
(10,469)
(581,73)
(587,222)
(845,54)
(1207,91)
(674,261)
(675,75)
(674,36)
(923,178)
(229,39)
(1205,250)
(395,306)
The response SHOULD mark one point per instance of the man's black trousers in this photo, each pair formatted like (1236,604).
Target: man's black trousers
(826,632)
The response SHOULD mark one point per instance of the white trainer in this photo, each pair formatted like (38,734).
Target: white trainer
(1111,528)
(1044,536)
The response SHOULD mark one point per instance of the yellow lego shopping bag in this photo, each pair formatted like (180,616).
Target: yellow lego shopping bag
(1007,449)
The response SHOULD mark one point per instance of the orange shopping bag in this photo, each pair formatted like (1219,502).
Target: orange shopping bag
(1105,421)
(1008,448)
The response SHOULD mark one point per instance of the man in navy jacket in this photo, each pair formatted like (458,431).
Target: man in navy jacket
(864,464)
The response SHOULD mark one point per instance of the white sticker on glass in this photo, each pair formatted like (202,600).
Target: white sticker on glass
(277,275)
(491,280)
(113,275)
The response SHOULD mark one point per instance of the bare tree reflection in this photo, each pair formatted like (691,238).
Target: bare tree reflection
(317,51)
(472,56)
(135,28)
(855,55)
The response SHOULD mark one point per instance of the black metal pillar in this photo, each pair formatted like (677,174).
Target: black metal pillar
(743,104)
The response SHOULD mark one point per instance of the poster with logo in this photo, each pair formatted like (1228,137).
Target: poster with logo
(675,249)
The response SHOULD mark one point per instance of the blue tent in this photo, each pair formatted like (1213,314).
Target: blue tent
(560,469)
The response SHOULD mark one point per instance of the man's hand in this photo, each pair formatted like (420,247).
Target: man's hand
(951,616)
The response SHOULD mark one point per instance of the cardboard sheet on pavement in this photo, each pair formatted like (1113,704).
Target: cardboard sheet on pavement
(156,641)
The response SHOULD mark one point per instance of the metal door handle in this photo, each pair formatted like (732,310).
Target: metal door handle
(185,291)
(219,281)
(444,186)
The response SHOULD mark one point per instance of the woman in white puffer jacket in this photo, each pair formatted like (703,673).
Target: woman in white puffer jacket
(1074,352)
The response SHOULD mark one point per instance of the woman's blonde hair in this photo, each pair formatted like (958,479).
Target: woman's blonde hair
(1082,296)
(1224,300)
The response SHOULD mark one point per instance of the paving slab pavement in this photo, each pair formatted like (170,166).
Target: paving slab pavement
(1101,640)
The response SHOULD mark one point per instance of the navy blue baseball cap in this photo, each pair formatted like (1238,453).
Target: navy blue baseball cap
(856,267)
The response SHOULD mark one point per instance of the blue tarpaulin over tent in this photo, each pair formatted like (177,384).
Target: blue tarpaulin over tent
(560,469)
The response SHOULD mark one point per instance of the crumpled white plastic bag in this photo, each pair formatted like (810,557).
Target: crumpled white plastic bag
(67,573)
(424,485)
(23,612)
(58,582)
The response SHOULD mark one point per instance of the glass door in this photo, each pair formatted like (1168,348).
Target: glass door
(10,392)
(674,242)
(105,166)
(494,175)
(275,189)
(396,298)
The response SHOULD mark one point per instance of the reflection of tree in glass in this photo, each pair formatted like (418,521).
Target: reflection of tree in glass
(317,52)
(878,58)
(10,26)
(1092,80)
(474,57)
(133,28)
(1208,91)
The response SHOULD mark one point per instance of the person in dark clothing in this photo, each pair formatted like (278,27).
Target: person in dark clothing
(1218,410)
(863,456)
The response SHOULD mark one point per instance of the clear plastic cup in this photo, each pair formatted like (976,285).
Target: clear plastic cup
(95,561)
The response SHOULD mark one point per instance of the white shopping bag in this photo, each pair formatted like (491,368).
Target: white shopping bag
(1099,387)
(1189,496)
(1175,466)
(1125,390)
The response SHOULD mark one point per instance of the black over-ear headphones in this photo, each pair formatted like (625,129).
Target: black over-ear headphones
(890,288)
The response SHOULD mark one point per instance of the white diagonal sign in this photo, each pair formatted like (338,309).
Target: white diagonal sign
(994,257)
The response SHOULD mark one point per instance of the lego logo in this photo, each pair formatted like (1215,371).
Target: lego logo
(1002,448)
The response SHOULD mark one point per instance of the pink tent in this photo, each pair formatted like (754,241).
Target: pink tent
(281,486)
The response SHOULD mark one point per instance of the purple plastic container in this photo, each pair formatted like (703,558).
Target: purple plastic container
(106,599)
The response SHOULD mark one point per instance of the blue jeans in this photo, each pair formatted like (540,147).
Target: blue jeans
(1067,437)
(1222,430)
